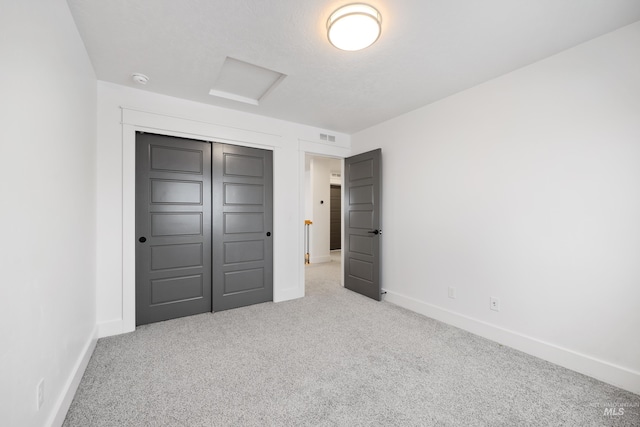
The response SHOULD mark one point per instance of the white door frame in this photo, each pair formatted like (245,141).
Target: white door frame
(136,120)
(317,150)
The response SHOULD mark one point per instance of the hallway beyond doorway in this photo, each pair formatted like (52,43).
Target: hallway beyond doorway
(318,276)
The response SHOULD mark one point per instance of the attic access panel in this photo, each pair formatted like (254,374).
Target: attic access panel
(244,82)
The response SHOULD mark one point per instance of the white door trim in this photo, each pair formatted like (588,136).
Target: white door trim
(135,120)
(316,149)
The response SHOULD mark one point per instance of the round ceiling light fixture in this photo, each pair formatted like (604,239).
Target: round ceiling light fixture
(354,26)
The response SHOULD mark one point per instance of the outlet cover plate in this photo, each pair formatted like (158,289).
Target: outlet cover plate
(494,304)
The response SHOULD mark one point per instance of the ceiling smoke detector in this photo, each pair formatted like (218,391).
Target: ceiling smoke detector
(140,78)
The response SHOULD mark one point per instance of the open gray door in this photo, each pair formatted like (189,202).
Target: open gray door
(362,182)
(173,227)
(242,226)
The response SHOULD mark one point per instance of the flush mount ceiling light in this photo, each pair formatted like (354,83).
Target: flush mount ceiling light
(354,26)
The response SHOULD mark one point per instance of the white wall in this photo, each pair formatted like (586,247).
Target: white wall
(116,179)
(320,197)
(318,180)
(308,204)
(526,188)
(47,191)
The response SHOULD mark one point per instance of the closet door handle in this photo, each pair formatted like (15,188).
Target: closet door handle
(268,233)
(142,239)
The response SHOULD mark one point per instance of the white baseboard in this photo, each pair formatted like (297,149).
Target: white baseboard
(68,392)
(599,369)
(110,327)
(320,259)
(288,294)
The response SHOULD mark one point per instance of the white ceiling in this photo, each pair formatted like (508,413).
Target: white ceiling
(429,49)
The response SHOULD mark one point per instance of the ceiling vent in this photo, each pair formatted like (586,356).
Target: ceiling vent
(326,137)
(244,82)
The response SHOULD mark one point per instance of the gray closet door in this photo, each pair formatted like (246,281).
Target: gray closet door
(362,193)
(242,218)
(173,227)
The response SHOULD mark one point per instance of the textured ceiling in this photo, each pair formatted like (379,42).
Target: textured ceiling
(429,49)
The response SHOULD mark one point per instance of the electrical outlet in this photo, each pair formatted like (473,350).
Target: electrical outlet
(452,292)
(494,304)
(40,393)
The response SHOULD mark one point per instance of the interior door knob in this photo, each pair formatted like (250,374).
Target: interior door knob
(142,239)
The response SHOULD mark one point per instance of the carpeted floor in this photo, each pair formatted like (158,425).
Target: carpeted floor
(333,358)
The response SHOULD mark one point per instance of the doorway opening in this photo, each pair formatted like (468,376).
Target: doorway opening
(323,213)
